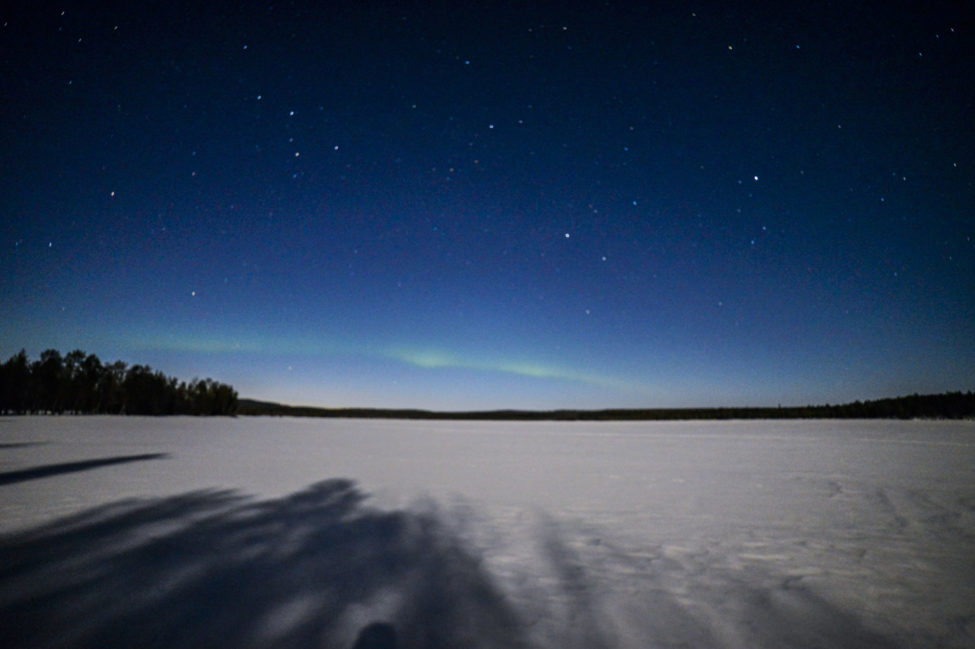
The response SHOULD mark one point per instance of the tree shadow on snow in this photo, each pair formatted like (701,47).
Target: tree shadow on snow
(320,569)
(48,470)
(6,445)
(213,569)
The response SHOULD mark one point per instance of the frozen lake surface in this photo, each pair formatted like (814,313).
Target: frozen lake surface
(266,532)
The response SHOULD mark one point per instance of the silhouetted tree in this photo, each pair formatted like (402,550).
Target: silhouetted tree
(147,392)
(15,384)
(70,397)
(225,399)
(89,373)
(48,374)
(108,388)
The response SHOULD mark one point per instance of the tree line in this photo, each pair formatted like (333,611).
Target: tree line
(950,405)
(80,383)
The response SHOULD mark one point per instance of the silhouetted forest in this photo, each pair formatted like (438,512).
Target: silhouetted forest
(80,383)
(950,405)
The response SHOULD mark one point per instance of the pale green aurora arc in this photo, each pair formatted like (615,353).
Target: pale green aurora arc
(425,358)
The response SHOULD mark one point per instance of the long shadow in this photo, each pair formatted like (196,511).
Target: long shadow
(319,569)
(20,444)
(48,470)
(213,569)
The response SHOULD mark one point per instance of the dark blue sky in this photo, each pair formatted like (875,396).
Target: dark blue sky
(483,205)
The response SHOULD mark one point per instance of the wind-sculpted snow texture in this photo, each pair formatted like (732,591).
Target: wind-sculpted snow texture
(797,534)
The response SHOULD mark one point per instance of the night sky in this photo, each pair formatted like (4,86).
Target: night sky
(489,205)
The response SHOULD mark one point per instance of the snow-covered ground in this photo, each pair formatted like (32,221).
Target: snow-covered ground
(184,532)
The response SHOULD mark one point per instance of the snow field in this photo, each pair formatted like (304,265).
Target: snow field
(486,534)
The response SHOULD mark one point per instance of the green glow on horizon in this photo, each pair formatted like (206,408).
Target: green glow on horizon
(431,359)
(426,359)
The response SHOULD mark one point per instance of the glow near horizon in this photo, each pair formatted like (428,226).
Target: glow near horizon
(425,358)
